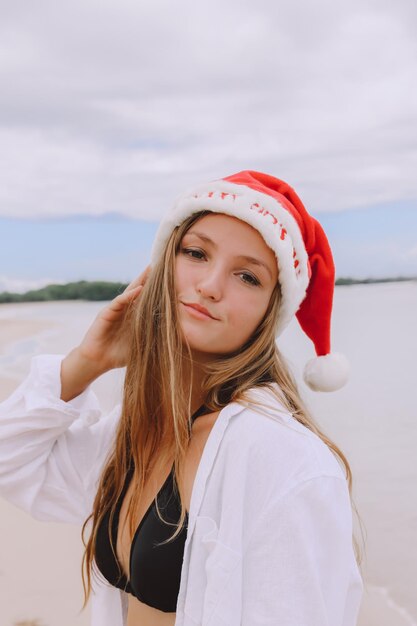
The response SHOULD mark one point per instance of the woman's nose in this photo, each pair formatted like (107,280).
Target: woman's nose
(210,286)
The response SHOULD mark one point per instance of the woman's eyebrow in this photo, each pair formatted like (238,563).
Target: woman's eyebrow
(244,257)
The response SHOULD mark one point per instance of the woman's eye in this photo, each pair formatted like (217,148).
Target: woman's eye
(187,252)
(252,280)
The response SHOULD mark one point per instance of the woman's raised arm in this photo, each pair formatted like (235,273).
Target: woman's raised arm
(104,347)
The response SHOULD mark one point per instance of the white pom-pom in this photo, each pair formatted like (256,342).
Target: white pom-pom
(327,373)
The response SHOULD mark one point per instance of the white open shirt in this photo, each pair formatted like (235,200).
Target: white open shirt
(269,538)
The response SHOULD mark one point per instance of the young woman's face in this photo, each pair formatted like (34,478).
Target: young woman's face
(211,270)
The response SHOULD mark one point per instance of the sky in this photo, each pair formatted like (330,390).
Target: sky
(109,110)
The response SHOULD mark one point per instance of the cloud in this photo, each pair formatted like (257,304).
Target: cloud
(120,107)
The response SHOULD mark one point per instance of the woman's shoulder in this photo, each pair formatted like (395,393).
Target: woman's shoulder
(271,436)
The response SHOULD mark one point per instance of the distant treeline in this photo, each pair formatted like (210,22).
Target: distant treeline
(101,290)
(366,281)
(82,290)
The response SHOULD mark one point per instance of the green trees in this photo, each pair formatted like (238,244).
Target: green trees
(81,290)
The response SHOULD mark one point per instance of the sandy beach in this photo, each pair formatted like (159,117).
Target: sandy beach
(11,332)
(40,562)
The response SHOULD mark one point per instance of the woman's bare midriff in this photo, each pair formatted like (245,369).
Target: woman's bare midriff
(140,614)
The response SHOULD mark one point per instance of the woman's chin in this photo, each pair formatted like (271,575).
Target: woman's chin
(201,352)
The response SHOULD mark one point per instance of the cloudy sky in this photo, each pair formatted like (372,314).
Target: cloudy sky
(108,110)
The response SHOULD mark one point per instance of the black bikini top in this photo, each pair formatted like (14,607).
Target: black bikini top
(154,570)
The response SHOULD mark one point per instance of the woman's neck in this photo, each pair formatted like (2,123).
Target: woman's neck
(197,396)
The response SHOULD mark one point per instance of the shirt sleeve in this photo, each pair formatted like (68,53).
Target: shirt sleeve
(299,567)
(51,450)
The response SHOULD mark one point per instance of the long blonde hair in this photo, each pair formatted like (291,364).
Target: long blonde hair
(155,419)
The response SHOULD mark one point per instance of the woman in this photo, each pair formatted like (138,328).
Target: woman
(210,495)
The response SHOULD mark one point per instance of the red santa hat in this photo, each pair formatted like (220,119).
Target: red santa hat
(304,258)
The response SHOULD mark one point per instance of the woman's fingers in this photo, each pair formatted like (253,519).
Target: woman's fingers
(105,341)
(120,301)
(118,304)
(139,280)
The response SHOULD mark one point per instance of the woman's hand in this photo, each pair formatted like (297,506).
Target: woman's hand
(104,346)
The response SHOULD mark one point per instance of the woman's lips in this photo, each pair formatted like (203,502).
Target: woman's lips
(196,313)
